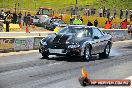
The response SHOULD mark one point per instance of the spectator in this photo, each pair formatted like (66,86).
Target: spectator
(71,11)
(77,21)
(131,15)
(108,24)
(124,24)
(1,26)
(92,11)
(25,17)
(89,23)
(126,13)
(28,18)
(71,20)
(108,13)
(8,20)
(115,26)
(19,18)
(115,12)
(96,23)
(14,18)
(121,13)
(2,15)
(81,19)
(130,29)
(85,11)
(76,10)
(100,12)
(104,12)
(88,12)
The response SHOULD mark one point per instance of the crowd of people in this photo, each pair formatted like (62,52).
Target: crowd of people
(103,12)
(78,20)
(15,18)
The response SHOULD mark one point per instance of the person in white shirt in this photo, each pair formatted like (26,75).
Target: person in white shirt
(100,12)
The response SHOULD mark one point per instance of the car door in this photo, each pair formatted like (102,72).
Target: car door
(98,41)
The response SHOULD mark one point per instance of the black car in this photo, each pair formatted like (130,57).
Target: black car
(77,40)
(51,23)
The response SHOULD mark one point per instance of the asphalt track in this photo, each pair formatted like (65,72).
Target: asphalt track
(28,69)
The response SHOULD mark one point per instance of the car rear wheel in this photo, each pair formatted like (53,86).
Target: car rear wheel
(106,52)
(87,54)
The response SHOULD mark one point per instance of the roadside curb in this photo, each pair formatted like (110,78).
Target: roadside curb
(17,53)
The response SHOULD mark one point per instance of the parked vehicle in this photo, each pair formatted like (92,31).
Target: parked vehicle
(51,23)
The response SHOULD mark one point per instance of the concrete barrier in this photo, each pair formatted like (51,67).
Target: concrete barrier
(19,44)
(118,34)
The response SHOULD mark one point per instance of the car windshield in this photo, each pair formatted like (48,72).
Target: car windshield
(78,31)
(58,21)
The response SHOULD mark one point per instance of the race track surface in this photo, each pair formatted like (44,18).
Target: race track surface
(30,70)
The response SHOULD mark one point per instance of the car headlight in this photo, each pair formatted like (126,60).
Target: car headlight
(73,46)
(43,43)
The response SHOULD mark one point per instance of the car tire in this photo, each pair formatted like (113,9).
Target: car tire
(45,55)
(87,54)
(106,52)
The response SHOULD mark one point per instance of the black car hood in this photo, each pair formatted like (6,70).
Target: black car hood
(62,38)
(65,39)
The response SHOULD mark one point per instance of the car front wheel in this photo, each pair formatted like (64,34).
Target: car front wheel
(45,55)
(87,54)
(106,52)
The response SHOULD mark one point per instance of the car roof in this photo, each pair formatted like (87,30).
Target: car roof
(80,26)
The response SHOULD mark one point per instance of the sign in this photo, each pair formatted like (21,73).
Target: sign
(23,43)
(6,44)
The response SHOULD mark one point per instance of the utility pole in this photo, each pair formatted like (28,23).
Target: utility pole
(20,5)
(15,7)
(76,8)
(76,2)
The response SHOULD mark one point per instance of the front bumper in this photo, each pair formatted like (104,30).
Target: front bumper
(69,52)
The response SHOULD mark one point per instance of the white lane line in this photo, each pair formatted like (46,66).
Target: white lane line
(54,64)
(130,78)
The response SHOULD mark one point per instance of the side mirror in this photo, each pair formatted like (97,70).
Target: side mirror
(96,37)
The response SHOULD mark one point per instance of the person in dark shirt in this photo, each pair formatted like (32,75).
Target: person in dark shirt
(96,23)
(28,18)
(19,18)
(14,18)
(126,13)
(121,14)
(89,23)
(104,12)
(81,19)
(108,13)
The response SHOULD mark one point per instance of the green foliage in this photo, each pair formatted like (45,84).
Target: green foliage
(60,4)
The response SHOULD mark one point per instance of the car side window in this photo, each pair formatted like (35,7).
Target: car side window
(96,32)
